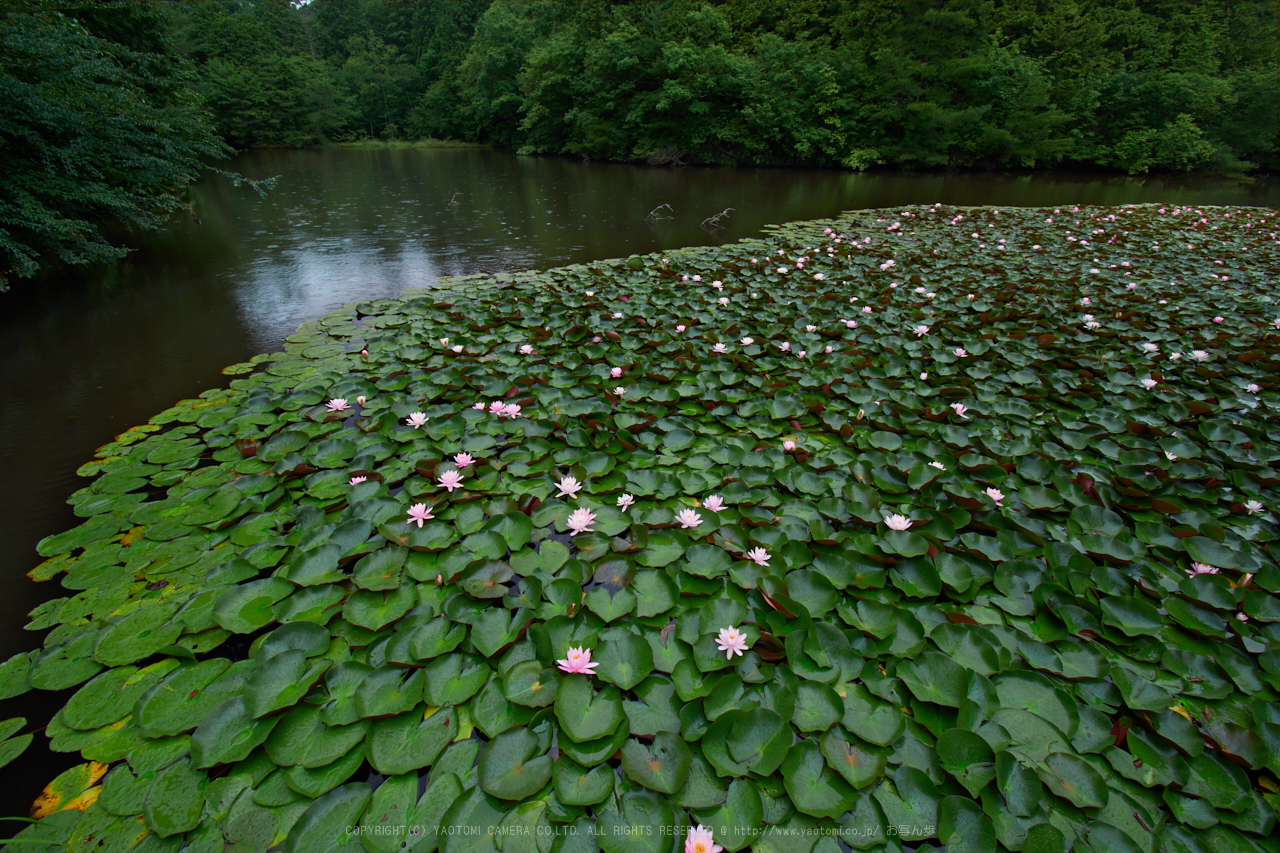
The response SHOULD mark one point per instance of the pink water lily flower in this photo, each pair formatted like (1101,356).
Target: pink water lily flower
(680,327)
(444,342)
(416,420)
(527,349)
(338,404)
(569,487)
(451,480)
(921,331)
(1201,569)
(960,352)
(715,503)
(1253,388)
(995,495)
(788,445)
(419,513)
(688,518)
(360,399)
(497,407)
(759,556)
(1149,384)
(732,642)
(960,409)
(719,348)
(578,660)
(580,521)
(462,460)
(479,406)
(897,522)
(615,372)
(355,481)
(513,411)
(626,501)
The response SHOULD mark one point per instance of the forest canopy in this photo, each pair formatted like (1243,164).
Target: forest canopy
(1164,85)
(109,108)
(100,122)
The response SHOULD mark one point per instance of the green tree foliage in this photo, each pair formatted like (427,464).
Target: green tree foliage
(1162,85)
(99,122)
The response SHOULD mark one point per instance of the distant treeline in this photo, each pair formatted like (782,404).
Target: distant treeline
(1180,85)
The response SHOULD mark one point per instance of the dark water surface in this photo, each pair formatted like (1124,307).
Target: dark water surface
(84,358)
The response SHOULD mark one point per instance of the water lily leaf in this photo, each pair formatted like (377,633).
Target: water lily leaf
(515,529)
(11,747)
(247,607)
(739,820)
(180,702)
(509,769)
(1204,550)
(112,694)
(576,785)
(968,758)
(625,660)
(376,610)
(175,800)
(935,678)
(655,593)
(453,679)
(528,683)
(583,714)
(1073,779)
(963,827)
(321,827)
(228,734)
(813,787)
(302,738)
(871,719)
(662,766)
(280,682)
(138,635)
(408,741)
(759,739)
(642,823)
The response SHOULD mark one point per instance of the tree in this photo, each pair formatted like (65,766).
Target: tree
(99,122)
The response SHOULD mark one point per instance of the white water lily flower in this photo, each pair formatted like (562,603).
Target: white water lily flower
(897,522)
(688,518)
(1253,506)
(1199,355)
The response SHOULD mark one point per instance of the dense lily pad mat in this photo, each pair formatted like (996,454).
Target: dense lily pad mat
(988,496)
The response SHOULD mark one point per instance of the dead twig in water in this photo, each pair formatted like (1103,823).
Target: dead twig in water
(653,214)
(714,221)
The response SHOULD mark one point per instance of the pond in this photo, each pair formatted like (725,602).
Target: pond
(90,356)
